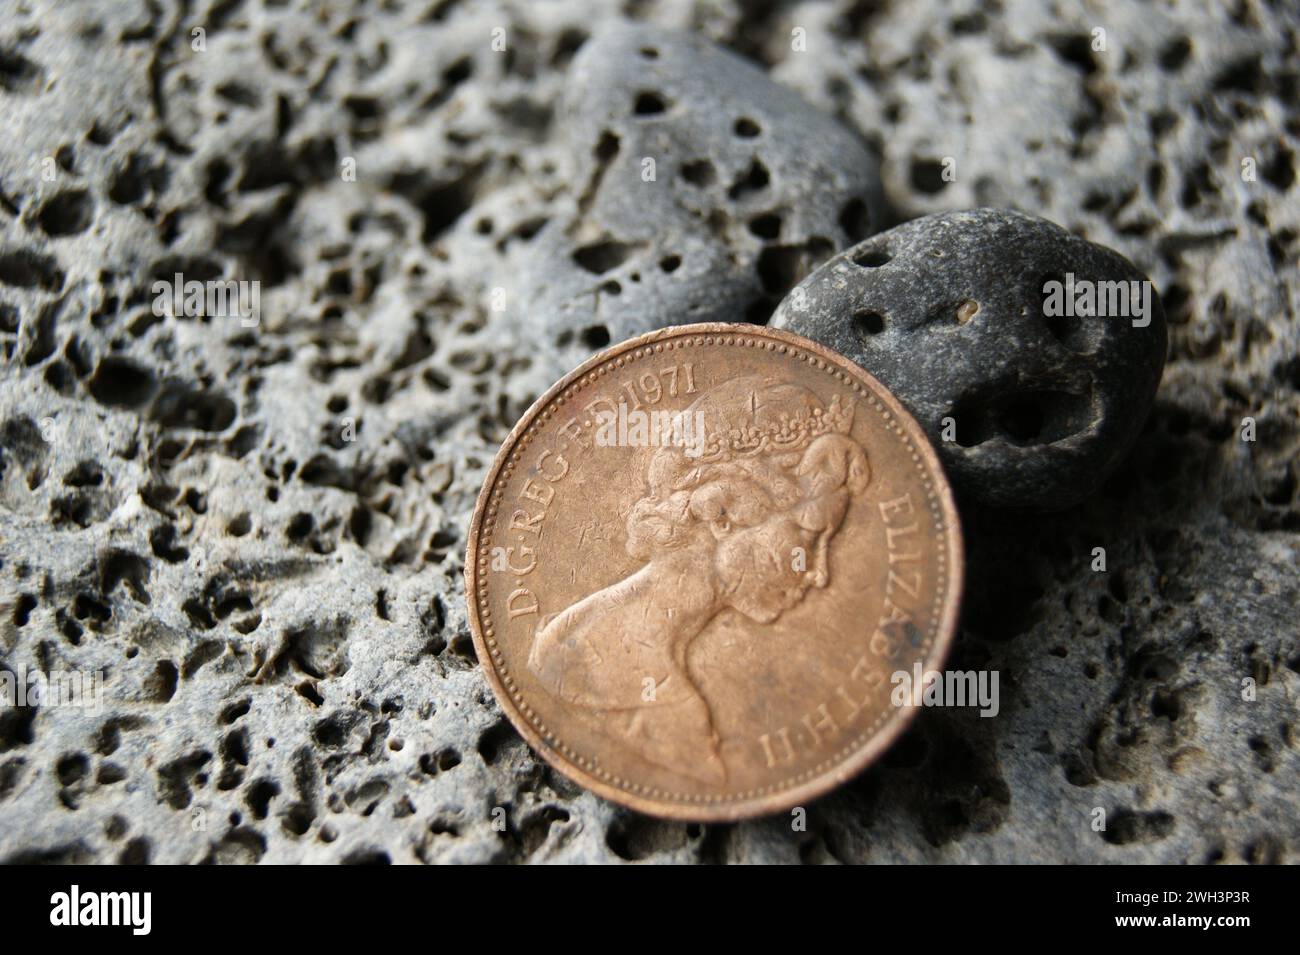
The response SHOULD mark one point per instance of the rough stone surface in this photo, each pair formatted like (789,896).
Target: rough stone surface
(1029,406)
(705,190)
(279,609)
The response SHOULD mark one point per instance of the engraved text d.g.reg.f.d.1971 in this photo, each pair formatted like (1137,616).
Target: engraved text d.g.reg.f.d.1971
(697,560)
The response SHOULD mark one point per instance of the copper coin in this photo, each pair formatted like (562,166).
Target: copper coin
(697,563)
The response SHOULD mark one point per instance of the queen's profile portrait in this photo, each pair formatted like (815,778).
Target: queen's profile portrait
(741,523)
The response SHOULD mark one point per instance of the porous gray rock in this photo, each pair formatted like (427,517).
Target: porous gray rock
(267,565)
(702,191)
(1029,356)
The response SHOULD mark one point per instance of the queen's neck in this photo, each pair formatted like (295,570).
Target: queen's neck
(647,621)
(678,588)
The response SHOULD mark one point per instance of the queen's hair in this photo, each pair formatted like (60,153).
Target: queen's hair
(769,447)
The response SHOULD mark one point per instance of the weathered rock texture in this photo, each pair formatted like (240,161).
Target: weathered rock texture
(257,532)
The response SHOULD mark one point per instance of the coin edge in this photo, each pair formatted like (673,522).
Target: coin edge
(803,792)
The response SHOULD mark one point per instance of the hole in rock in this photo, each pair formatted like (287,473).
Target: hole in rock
(927,176)
(869,321)
(855,220)
(649,104)
(25,269)
(755,179)
(872,258)
(766,226)
(65,214)
(601,257)
(596,336)
(699,172)
(1024,418)
(118,381)
(1174,55)
(1076,49)
(781,267)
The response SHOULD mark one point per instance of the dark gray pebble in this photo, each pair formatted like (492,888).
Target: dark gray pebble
(1027,404)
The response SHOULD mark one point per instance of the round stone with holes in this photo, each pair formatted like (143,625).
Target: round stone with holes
(1030,356)
(703,190)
